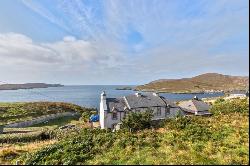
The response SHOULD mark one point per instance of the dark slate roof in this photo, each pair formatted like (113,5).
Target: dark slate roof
(169,102)
(142,101)
(117,103)
(200,105)
(194,105)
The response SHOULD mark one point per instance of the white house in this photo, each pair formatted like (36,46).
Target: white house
(113,110)
(238,94)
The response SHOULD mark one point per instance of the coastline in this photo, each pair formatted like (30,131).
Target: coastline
(27,86)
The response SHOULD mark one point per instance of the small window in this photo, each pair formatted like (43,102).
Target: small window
(167,111)
(158,112)
(114,115)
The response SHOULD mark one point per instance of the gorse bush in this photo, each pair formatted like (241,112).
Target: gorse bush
(84,145)
(135,121)
(28,137)
(231,106)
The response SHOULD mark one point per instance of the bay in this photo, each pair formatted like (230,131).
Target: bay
(84,95)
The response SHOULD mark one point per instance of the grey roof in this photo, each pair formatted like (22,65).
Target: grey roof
(201,105)
(143,101)
(195,105)
(117,103)
(169,102)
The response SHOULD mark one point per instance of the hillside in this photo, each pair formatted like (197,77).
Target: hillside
(197,84)
(222,139)
(27,86)
(17,112)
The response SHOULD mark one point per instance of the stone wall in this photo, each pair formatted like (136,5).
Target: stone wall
(40,119)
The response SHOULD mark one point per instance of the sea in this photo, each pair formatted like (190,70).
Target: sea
(83,95)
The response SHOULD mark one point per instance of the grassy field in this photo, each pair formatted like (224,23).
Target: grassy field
(17,112)
(220,139)
(17,141)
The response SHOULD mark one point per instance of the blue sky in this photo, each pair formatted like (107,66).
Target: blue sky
(121,42)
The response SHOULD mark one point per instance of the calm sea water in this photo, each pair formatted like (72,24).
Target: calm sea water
(84,95)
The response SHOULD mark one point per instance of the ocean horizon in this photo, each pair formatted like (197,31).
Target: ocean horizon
(83,95)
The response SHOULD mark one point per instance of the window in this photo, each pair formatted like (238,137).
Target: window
(158,112)
(114,115)
(167,111)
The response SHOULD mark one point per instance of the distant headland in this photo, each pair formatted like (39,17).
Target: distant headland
(205,83)
(27,86)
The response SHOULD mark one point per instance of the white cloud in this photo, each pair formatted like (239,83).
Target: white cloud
(68,51)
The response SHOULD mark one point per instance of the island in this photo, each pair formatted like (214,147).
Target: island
(124,88)
(204,83)
(27,86)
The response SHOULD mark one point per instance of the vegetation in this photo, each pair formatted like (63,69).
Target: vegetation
(135,121)
(201,83)
(16,112)
(27,86)
(220,139)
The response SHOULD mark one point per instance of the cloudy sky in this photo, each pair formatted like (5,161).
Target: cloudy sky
(121,42)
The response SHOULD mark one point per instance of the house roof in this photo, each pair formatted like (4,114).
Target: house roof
(138,101)
(149,100)
(194,105)
(117,103)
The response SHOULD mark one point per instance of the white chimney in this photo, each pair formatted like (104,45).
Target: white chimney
(138,94)
(156,94)
(103,110)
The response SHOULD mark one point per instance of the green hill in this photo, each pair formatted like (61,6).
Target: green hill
(200,83)
(17,112)
(220,139)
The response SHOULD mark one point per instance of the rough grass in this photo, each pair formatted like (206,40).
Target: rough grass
(8,152)
(16,112)
(219,139)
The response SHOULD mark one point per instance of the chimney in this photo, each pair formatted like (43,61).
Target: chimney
(103,111)
(156,94)
(138,94)
(103,96)
(196,98)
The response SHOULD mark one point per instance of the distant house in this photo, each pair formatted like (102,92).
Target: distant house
(195,107)
(238,94)
(113,110)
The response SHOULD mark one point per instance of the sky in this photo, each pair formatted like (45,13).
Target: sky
(118,42)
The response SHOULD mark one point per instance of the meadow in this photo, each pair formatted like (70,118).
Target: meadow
(219,139)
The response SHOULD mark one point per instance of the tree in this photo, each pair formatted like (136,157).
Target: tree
(137,120)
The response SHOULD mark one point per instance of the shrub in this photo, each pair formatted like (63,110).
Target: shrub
(231,106)
(135,121)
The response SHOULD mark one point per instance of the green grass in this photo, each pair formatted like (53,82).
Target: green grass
(17,112)
(58,122)
(219,139)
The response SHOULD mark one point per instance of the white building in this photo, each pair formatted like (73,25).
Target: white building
(238,94)
(113,110)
